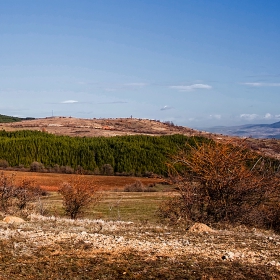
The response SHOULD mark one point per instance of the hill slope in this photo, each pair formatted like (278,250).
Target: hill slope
(131,126)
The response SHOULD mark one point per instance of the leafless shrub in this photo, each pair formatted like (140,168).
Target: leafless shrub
(4,163)
(26,191)
(67,170)
(15,197)
(6,191)
(77,195)
(216,185)
(36,166)
(137,186)
(107,169)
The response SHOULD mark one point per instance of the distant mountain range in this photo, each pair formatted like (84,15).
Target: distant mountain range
(249,130)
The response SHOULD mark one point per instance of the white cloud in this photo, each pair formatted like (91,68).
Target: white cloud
(249,116)
(69,101)
(165,108)
(262,84)
(268,116)
(191,87)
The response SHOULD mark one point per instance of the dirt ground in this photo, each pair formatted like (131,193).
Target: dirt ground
(57,248)
(52,181)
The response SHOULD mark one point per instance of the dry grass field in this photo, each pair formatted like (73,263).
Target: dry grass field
(122,238)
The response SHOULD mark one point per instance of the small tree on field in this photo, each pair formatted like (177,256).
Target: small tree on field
(77,195)
(223,183)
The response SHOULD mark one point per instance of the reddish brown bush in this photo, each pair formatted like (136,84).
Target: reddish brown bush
(26,191)
(6,191)
(78,194)
(15,197)
(216,184)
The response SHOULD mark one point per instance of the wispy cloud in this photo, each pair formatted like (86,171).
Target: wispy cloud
(217,117)
(164,108)
(249,117)
(191,87)
(262,84)
(69,101)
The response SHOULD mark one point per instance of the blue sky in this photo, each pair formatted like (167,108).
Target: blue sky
(197,63)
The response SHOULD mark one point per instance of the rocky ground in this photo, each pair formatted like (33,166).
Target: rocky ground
(58,248)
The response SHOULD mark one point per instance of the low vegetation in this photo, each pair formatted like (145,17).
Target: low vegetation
(224,183)
(77,195)
(14,198)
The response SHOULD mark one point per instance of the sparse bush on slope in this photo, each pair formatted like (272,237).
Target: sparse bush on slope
(223,183)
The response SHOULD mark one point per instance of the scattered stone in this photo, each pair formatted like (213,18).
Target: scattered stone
(230,255)
(13,220)
(200,227)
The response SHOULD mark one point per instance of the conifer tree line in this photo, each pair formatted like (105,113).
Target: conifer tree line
(134,155)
